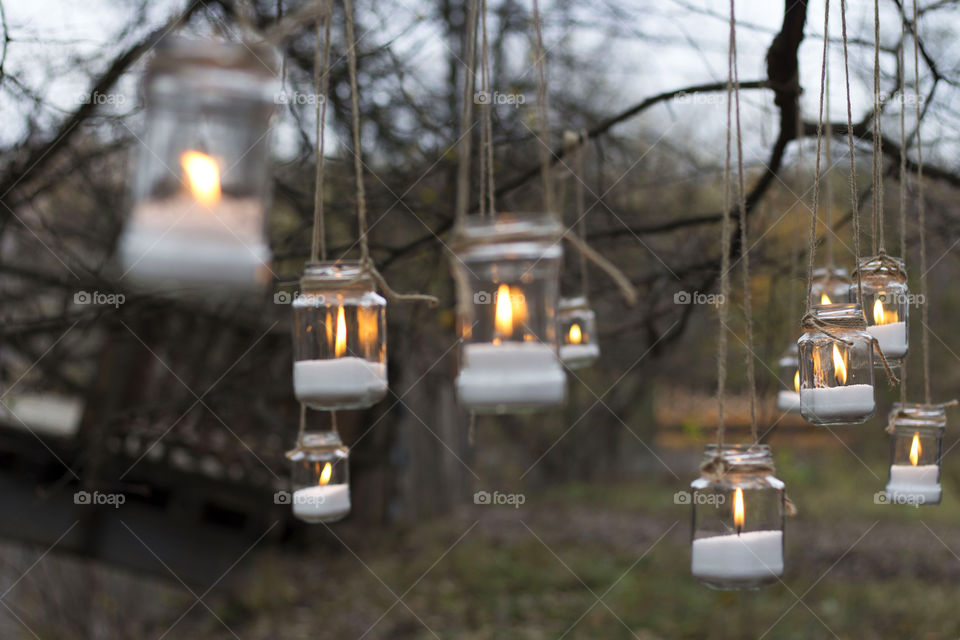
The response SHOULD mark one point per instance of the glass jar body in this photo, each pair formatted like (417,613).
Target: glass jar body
(836,372)
(886,299)
(738,521)
(339,338)
(577,333)
(916,446)
(320,478)
(509,270)
(830,286)
(788,375)
(202,176)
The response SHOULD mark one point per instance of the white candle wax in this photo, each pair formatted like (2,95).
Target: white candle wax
(892,338)
(323,503)
(788,401)
(851,401)
(339,382)
(750,555)
(920,484)
(177,242)
(579,354)
(512,374)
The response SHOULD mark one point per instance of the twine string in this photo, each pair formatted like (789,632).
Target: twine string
(921,211)
(321,81)
(366,262)
(543,111)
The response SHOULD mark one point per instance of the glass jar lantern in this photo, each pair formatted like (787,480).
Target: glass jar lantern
(885,300)
(339,338)
(202,175)
(836,378)
(916,443)
(738,520)
(509,269)
(830,286)
(788,393)
(578,333)
(321,478)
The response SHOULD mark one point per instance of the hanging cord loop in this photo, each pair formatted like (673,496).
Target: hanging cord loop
(921,212)
(321,82)
(366,261)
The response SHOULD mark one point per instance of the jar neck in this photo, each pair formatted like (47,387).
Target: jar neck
(345,275)
(740,458)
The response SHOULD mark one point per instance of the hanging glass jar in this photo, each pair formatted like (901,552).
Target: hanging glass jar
(836,372)
(886,302)
(738,519)
(788,394)
(320,478)
(202,175)
(508,269)
(339,338)
(830,286)
(916,443)
(578,333)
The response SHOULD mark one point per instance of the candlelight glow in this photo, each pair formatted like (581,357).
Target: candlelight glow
(883,317)
(340,347)
(326,473)
(738,515)
(839,366)
(915,449)
(202,175)
(575,336)
(796,381)
(503,318)
(824,299)
(367,327)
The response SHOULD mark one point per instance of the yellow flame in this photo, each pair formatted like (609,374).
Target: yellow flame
(329,327)
(738,515)
(503,318)
(326,473)
(824,299)
(839,366)
(575,336)
(202,175)
(880,316)
(340,347)
(915,449)
(796,381)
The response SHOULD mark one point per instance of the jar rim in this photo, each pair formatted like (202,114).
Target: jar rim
(740,454)
(507,226)
(176,53)
(837,310)
(837,273)
(915,414)
(573,303)
(319,442)
(336,274)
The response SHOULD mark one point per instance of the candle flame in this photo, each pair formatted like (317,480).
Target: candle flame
(575,336)
(503,318)
(340,348)
(202,175)
(880,316)
(738,515)
(824,299)
(915,449)
(326,473)
(839,366)
(796,381)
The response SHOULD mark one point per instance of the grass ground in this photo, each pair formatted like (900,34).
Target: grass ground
(597,560)
(612,561)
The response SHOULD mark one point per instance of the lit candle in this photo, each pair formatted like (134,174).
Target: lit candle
(790,400)
(890,332)
(342,381)
(509,372)
(324,502)
(914,483)
(741,556)
(574,350)
(839,402)
(198,236)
